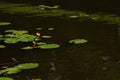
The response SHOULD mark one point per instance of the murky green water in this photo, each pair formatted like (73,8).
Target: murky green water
(98,59)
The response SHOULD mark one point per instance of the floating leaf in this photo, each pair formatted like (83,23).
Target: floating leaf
(10,30)
(49,46)
(20,32)
(78,41)
(1,36)
(26,38)
(28,47)
(13,70)
(11,40)
(50,28)
(27,66)
(16,69)
(5,78)
(2,46)
(4,23)
(41,43)
(10,35)
(46,36)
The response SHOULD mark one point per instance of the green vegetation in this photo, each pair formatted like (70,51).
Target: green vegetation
(78,41)
(5,78)
(15,36)
(18,68)
(4,23)
(45,36)
(2,46)
(55,11)
(48,46)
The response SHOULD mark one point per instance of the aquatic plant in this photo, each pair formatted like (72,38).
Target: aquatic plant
(15,36)
(28,47)
(45,36)
(5,78)
(19,68)
(78,41)
(2,46)
(48,46)
(4,23)
(55,11)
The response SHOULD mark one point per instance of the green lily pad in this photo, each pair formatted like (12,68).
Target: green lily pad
(78,41)
(11,40)
(4,23)
(26,38)
(10,35)
(41,43)
(46,36)
(10,30)
(28,47)
(1,36)
(5,78)
(27,66)
(13,70)
(20,32)
(49,46)
(2,46)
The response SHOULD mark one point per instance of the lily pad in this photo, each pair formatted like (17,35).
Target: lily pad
(1,36)
(46,36)
(4,23)
(13,70)
(11,40)
(26,38)
(20,32)
(41,43)
(27,66)
(10,30)
(2,46)
(78,41)
(49,46)
(5,78)
(10,35)
(28,47)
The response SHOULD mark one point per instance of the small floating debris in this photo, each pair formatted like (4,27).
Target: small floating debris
(51,29)
(73,16)
(38,28)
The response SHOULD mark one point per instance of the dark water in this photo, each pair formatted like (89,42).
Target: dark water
(99,59)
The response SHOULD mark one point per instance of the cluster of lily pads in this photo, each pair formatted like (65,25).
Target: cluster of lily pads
(17,69)
(15,36)
(52,11)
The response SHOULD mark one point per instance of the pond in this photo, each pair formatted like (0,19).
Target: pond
(74,45)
